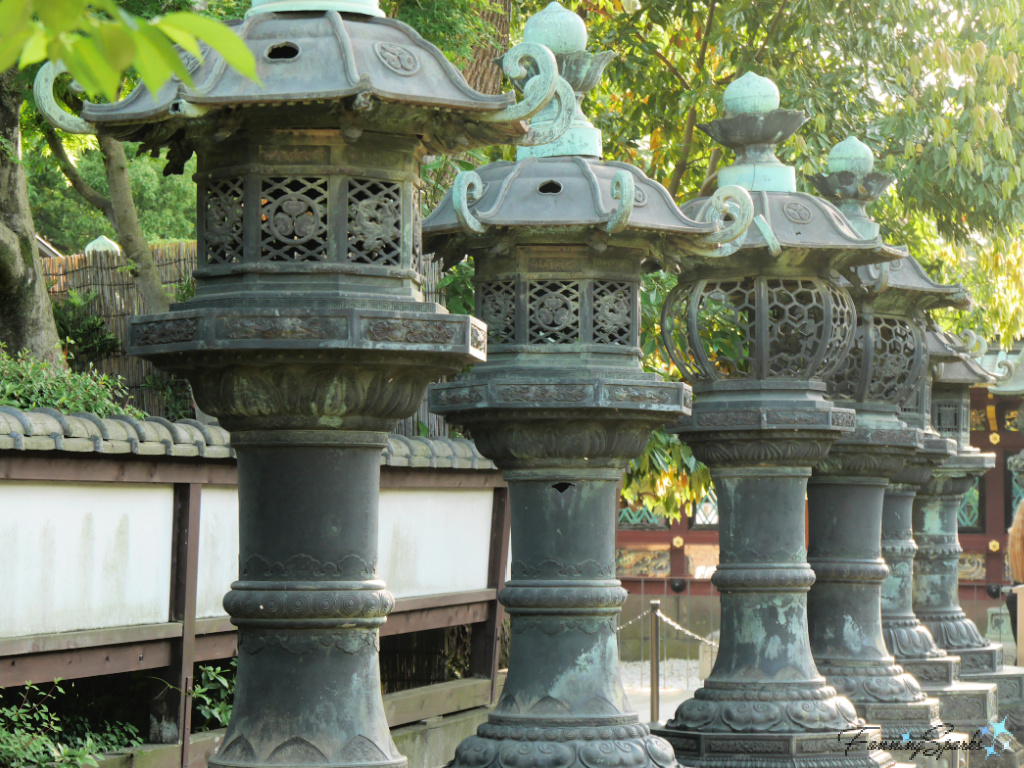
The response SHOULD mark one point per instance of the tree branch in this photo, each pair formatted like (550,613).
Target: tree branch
(80,185)
(711,177)
(707,30)
(691,116)
(771,31)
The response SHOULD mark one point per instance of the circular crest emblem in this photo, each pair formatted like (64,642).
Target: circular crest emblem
(796,212)
(397,58)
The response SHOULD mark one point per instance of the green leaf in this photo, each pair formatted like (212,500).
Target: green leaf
(34,49)
(59,16)
(117,45)
(216,35)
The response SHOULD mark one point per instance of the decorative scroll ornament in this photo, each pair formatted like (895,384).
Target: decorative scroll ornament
(732,210)
(467,190)
(623,190)
(46,78)
(769,236)
(538,90)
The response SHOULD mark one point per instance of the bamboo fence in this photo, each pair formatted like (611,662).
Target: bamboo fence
(118,298)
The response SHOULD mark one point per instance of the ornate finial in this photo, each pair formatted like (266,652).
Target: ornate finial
(750,94)
(851,184)
(752,126)
(363,7)
(558,29)
(562,31)
(853,155)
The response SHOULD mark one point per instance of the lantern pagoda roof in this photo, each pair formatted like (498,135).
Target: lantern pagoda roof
(557,197)
(912,289)
(326,69)
(790,229)
(563,191)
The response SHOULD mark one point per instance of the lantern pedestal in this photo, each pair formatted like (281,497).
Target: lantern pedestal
(936,586)
(765,700)
(845,498)
(308,603)
(562,446)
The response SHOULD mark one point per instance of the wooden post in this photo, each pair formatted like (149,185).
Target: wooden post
(486,640)
(171,715)
(655,661)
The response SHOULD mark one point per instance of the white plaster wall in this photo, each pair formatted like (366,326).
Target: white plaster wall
(218,548)
(83,556)
(434,541)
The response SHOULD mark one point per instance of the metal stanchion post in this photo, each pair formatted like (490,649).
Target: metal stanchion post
(655,654)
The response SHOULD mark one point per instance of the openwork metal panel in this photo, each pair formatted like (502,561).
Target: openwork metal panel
(726,326)
(796,315)
(223,215)
(374,222)
(896,362)
(554,312)
(498,310)
(895,346)
(613,312)
(762,328)
(947,418)
(844,319)
(293,218)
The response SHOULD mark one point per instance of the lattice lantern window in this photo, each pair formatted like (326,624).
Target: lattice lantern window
(951,406)
(308,211)
(552,312)
(758,328)
(886,362)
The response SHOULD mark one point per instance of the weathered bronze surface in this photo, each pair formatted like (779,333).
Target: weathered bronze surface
(309,337)
(846,493)
(936,582)
(761,421)
(560,405)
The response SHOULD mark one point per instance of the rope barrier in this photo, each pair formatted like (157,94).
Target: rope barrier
(672,624)
(633,621)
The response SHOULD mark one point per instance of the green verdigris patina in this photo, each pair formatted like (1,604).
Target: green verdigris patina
(760,421)
(561,405)
(309,336)
(846,494)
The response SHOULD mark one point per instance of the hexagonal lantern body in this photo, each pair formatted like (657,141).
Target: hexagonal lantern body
(308,336)
(561,405)
(756,333)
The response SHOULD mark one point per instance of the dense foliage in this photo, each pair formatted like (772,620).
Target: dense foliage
(84,333)
(166,204)
(27,382)
(33,735)
(932,88)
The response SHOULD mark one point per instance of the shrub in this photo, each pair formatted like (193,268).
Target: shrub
(213,695)
(27,382)
(85,333)
(32,735)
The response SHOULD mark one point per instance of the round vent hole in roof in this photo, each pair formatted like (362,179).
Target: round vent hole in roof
(550,188)
(282,51)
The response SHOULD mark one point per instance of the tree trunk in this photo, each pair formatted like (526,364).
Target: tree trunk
(26,315)
(482,73)
(129,232)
